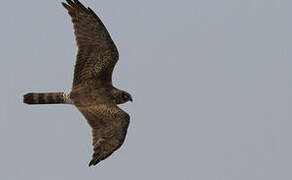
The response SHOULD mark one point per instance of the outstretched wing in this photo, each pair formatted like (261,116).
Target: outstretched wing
(97,53)
(109,127)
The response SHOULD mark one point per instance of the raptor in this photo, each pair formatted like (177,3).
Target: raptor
(92,91)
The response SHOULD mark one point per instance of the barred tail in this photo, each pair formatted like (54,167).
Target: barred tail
(46,98)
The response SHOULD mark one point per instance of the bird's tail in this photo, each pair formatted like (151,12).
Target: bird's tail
(47,98)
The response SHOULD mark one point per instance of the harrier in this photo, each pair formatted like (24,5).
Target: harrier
(92,91)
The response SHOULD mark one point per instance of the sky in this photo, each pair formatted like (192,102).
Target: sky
(211,83)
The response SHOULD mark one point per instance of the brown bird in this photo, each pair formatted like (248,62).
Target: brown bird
(92,91)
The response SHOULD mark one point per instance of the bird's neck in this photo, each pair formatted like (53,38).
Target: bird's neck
(117,94)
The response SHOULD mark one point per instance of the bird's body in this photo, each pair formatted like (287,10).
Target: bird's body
(96,92)
(92,91)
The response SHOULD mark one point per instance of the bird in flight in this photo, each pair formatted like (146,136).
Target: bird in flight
(92,91)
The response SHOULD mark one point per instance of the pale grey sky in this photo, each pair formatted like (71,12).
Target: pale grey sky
(211,82)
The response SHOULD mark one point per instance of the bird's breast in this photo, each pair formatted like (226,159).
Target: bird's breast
(89,97)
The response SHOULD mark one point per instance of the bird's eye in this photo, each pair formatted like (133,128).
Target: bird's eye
(125,96)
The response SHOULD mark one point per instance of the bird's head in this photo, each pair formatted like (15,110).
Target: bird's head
(124,97)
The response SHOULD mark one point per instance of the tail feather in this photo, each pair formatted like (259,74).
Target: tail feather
(45,98)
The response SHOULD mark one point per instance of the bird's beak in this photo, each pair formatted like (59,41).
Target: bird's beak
(131,99)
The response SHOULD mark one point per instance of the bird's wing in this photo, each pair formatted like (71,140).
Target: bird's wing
(109,127)
(97,53)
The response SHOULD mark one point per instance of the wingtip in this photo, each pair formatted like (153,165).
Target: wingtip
(74,4)
(93,162)
(66,6)
(70,2)
(90,164)
(76,1)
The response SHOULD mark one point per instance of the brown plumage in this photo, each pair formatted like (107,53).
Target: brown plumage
(92,91)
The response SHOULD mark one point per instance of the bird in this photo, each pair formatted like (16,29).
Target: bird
(92,90)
